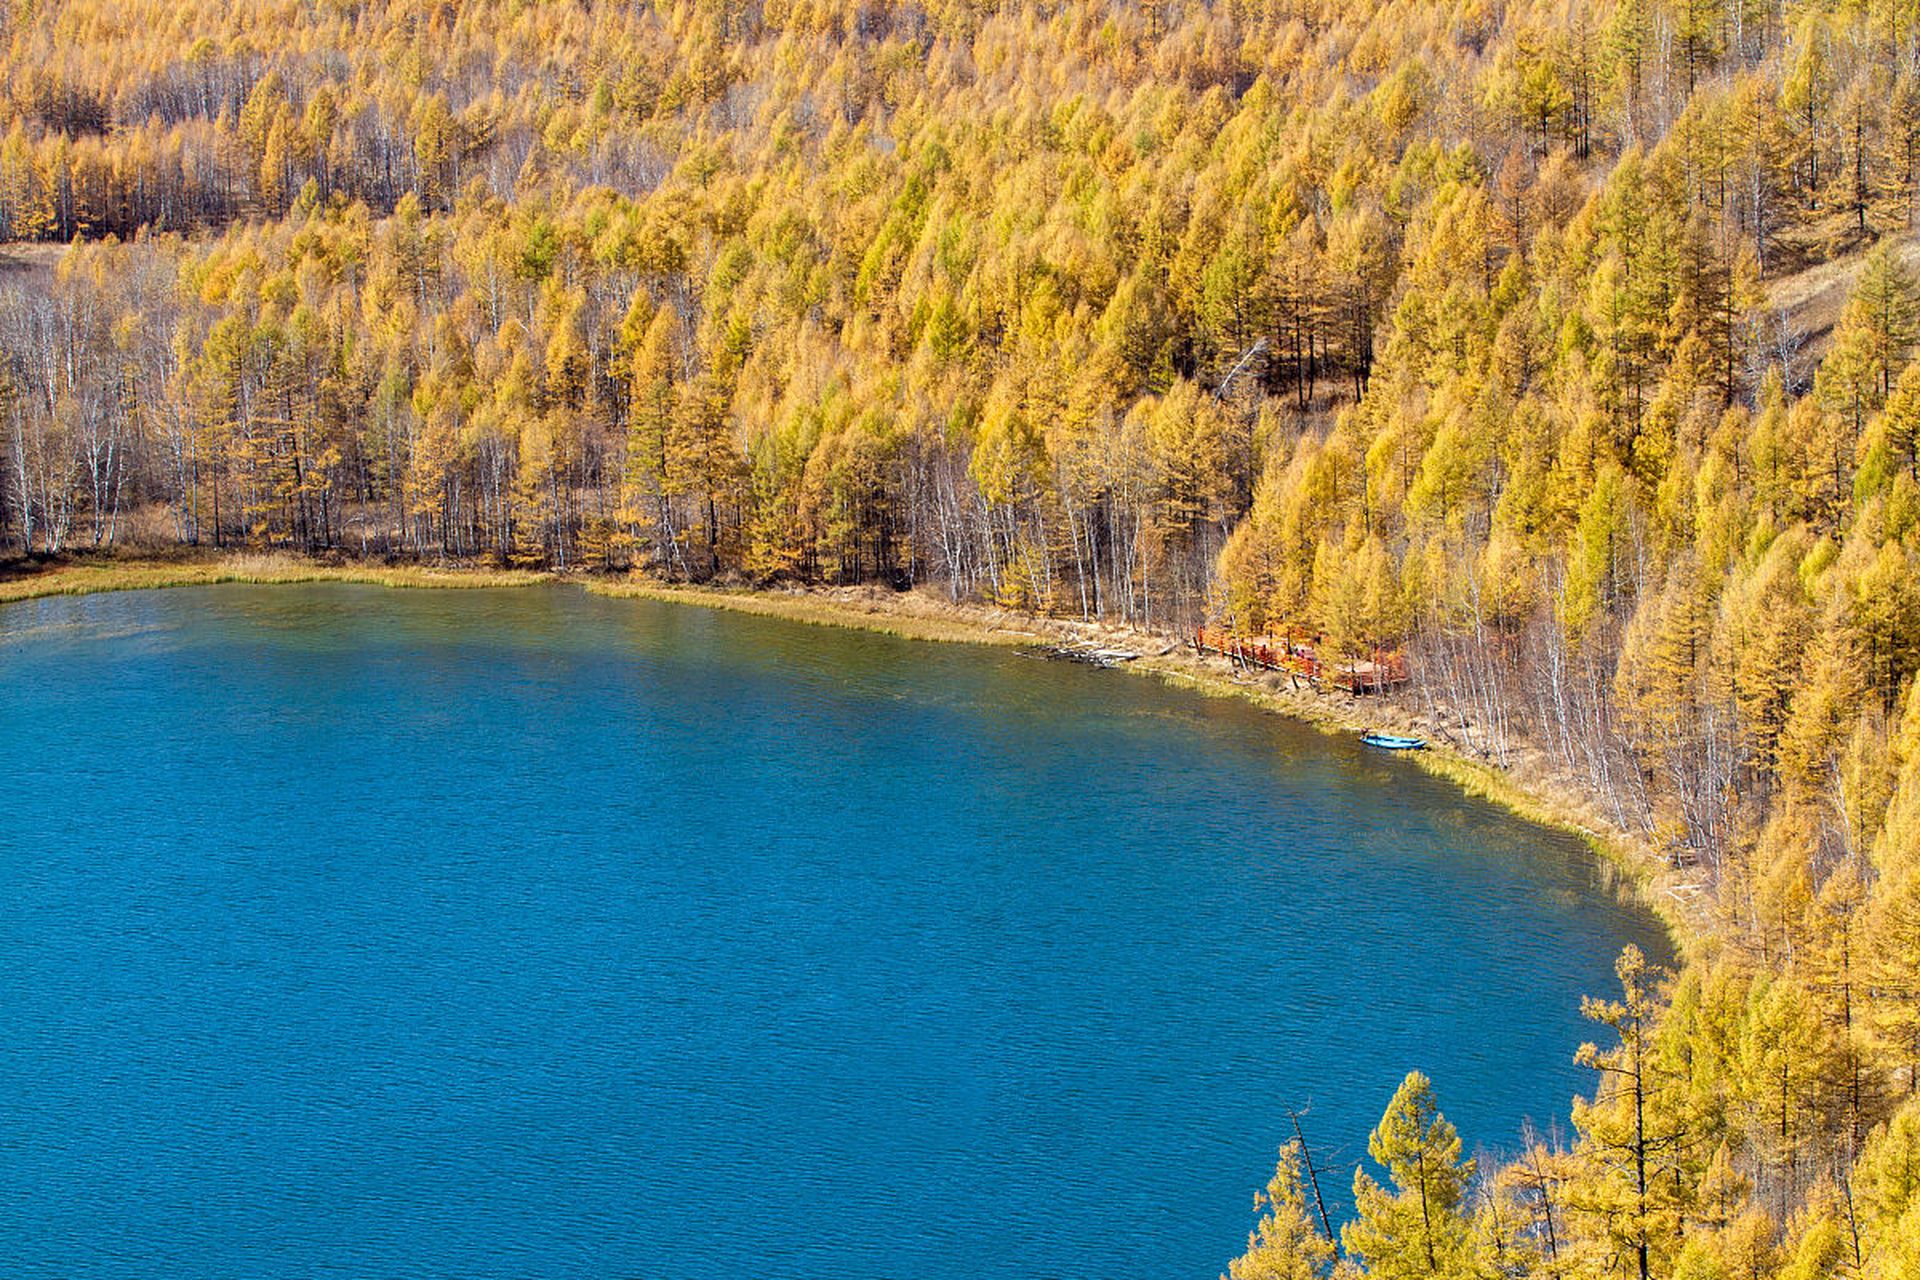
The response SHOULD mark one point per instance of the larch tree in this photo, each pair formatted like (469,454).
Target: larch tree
(1419,1228)
(1287,1243)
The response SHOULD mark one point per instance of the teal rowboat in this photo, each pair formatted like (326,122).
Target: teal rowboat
(1393,742)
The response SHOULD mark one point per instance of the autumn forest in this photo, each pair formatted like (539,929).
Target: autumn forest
(1568,349)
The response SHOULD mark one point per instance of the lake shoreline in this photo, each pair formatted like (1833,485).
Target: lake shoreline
(87,574)
(921,615)
(1174,661)
(471,886)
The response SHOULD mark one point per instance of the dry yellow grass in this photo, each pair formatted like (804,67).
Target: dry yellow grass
(1813,299)
(911,615)
(81,576)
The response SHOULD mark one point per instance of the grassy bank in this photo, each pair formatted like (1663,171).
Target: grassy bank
(911,615)
(82,575)
(925,616)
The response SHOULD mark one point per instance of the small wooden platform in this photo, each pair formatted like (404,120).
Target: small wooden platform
(1301,660)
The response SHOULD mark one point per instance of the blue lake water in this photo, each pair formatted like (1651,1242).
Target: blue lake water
(369,933)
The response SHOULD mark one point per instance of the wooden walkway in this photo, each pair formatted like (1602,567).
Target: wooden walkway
(1300,660)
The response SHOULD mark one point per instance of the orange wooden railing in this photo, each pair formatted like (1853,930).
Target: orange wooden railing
(1386,669)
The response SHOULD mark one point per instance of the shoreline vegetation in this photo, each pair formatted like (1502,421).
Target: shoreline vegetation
(924,615)
(85,575)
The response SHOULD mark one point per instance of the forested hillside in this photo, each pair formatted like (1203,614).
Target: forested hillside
(1567,347)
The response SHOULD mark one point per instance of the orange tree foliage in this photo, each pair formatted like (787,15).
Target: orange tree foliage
(1568,347)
